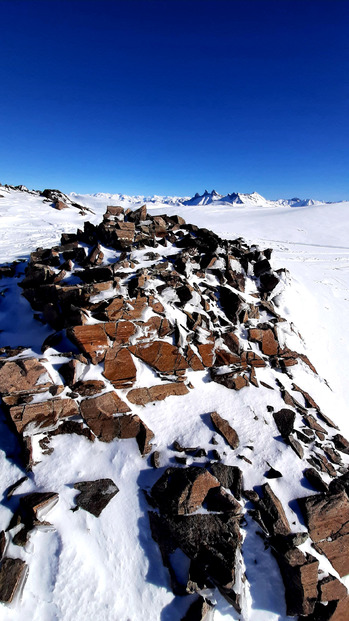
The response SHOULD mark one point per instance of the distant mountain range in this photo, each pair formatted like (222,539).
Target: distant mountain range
(236,199)
(248,200)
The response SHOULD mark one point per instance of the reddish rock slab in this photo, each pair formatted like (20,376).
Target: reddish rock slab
(88,388)
(223,427)
(194,360)
(119,367)
(182,490)
(120,331)
(207,354)
(160,355)
(34,417)
(12,573)
(23,375)
(102,408)
(141,396)
(92,340)
(266,339)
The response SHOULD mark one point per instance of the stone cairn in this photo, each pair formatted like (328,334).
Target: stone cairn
(115,313)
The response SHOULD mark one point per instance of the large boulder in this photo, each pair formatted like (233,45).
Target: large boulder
(182,490)
(95,495)
(33,417)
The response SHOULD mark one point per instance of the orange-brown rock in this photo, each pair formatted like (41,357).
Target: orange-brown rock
(182,490)
(252,359)
(156,305)
(224,357)
(223,427)
(332,589)
(141,396)
(24,375)
(120,331)
(33,417)
(206,353)
(155,326)
(327,518)
(99,414)
(266,340)
(88,388)
(194,360)
(92,340)
(231,340)
(119,367)
(160,355)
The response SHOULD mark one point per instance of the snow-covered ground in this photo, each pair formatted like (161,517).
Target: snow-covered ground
(109,568)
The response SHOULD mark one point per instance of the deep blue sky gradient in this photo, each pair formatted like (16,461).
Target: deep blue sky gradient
(175,96)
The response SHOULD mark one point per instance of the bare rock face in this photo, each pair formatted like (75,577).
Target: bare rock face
(223,427)
(160,355)
(331,589)
(32,507)
(182,490)
(36,416)
(211,540)
(23,376)
(12,573)
(88,388)
(142,396)
(327,518)
(95,495)
(300,577)
(119,367)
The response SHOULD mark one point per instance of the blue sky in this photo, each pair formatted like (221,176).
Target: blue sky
(176,96)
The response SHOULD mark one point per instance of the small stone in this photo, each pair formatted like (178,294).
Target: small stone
(223,427)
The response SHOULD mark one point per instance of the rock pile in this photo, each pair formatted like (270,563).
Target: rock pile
(140,291)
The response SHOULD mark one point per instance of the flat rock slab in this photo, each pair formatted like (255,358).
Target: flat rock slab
(36,416)
(12,571)
(141,396)
(223,427)
(284,420)
(162,356)
(24,375)
(95,495)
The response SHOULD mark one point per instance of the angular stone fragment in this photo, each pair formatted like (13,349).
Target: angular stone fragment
(33,417)
(272,513)
(182,490)
(23,375)
(223,427)
(219,500)
(160,355)
(229,477)
(92,340)
(341,443)
(194,360)
(119,367)
(33,506)
(266,340)
(284,420)
(315,479)
(12,573)
(206,352)
(95,495)
(141,396)
(88,388)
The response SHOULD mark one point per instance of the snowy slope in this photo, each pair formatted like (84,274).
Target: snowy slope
(110,568)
